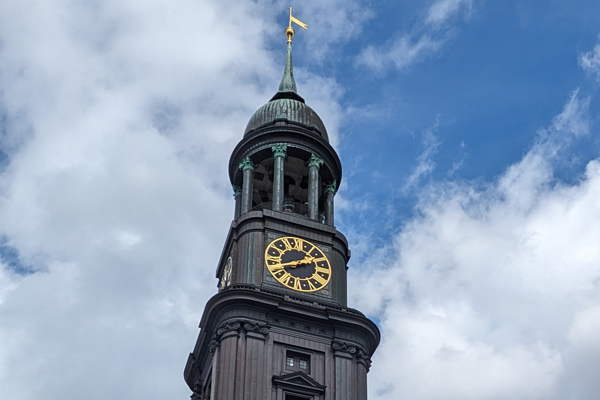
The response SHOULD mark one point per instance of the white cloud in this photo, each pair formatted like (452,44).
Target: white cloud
(572,120)
(590,61)
(402,53)
(442,10)
(426,39)
(119,119)
(493,293)
(425,163)
(583,356)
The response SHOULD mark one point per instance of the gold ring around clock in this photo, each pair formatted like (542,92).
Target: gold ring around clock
(298,264)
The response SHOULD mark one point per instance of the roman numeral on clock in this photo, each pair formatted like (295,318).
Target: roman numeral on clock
(292,244)
(276,268)
(322,270)
(320,279)
(285,278)
(270,258)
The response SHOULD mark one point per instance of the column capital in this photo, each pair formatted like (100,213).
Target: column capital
(279,150)
(331,187)
(315,161)
(237,191)
(246,164)
(236,327)
(352,351)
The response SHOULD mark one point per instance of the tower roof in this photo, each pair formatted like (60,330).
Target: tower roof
(287,106)
(288,84)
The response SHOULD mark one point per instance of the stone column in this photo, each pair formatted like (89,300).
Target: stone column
(330,190)
(237,194)
(247,166)
(279,154)
(352,365)
(344,371)
(314,163)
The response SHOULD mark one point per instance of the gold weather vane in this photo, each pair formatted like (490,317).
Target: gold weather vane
(289,32)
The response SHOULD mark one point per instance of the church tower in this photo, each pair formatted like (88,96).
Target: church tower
(279,327)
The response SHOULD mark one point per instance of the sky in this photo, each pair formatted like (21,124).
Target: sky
(469,135)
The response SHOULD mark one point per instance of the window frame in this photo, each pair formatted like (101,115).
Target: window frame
(297,356)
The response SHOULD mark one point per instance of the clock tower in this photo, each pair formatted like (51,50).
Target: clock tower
(279,327)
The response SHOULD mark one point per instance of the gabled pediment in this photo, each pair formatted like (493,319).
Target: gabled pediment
(299,382)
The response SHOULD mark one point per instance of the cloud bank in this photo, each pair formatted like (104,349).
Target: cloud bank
(494,292)
(117,121)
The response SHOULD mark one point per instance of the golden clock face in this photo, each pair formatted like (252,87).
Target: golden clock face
(298,264)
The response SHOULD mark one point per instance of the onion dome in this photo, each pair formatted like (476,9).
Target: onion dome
(287,107)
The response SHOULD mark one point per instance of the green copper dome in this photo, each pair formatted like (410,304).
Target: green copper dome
(287,110)
(287,106)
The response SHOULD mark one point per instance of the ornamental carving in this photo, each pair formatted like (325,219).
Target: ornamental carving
(345,347)
(315,161)
(279,150)
(226,327)
(247,164)
(331,187)
(364,357)
(197,387)
(237,325)
(357,352)
(250,327)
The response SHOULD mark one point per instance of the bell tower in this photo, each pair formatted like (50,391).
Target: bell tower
(279,327)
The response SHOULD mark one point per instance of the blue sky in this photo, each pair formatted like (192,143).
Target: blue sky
(503,71)
(468,133)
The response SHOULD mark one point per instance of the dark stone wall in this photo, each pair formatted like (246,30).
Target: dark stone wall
(244,338)
(252,232)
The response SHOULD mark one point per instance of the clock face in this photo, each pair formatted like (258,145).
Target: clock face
(298,264)
(226,276)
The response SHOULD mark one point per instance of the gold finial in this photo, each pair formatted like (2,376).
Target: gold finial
(289,32)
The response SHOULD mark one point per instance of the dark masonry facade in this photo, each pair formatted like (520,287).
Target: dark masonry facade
(279,327)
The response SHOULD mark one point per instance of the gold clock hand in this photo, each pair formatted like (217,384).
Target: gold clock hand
(306,260)
(292,264)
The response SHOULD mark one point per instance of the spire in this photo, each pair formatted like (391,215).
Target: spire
(288,84)
(287,87)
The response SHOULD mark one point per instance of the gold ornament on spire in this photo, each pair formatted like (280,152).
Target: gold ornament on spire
(289,32)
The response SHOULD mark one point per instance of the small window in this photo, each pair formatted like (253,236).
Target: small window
(297,362)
